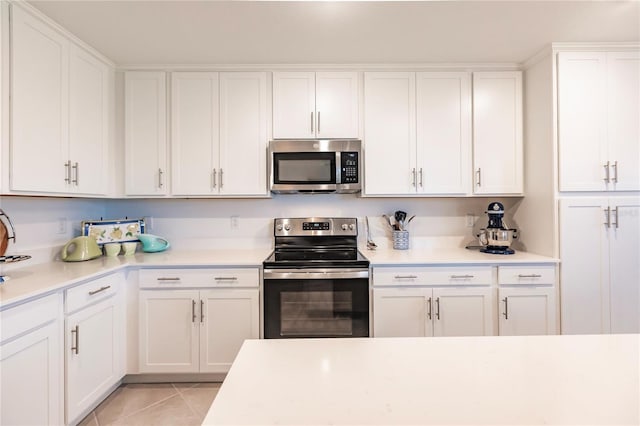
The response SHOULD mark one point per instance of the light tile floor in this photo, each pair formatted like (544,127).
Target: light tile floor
(167,404)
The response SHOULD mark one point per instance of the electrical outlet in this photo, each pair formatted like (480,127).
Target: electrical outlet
(234,222)
(470,220)
(62,225)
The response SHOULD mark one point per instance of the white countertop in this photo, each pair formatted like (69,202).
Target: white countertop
(426,256)
(427,381)
(31,281)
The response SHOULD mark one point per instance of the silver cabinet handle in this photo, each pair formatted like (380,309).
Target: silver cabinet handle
(420,183)
(311,121)
(221,178)
(193,311)
(405,277)
(529,276)
(76,167)
(506,309)
(75,338)
(226,278)
(413,174)
(438,308)
(607,212)
(214,175)
(168,279)
(606,173)
(615,224)
(615,172)
(318,124)
(101,289)
(457,277)
(160,183)
(479,175)
(429,308)
(67,171)
(201,311)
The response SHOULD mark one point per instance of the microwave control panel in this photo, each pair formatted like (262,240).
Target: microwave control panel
(349,167)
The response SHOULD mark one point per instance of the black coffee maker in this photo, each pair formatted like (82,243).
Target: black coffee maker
(497,236)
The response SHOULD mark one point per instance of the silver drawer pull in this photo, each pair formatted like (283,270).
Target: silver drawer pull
(457,277)
(405,277)
(101,289)
(226,278)
(529,276)
(75,336)
(169,279)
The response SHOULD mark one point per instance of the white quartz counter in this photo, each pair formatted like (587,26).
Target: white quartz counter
(31,281)
(426,381)
(418,256)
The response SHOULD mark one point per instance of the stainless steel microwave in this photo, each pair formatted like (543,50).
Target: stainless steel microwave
(315,166)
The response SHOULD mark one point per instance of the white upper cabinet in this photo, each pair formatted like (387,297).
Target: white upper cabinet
(309,105)
(417,133)
(219,133)
(497,132)
(145,134)
(598,131)
(59,112)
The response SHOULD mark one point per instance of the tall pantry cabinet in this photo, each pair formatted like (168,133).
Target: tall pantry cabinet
(598,179)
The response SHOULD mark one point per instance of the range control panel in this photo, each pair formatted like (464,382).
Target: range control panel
(324,226)
(349,167)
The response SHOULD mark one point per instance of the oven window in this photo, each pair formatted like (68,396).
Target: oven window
(305,167)
(316,313)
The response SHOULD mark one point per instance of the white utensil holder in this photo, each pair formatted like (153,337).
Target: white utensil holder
(401,240)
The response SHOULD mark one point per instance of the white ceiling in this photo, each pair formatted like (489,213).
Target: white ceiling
(246,32)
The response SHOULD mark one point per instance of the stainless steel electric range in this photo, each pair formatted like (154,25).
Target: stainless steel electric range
(316,282)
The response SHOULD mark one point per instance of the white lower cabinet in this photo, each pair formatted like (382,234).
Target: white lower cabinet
(526,311)
(94,335)
(31,383)
(190,330)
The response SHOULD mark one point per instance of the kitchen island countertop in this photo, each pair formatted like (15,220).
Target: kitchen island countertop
(433,381)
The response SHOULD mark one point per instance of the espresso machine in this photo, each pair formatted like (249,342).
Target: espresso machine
(497,236)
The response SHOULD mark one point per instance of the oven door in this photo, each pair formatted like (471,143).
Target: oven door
(330,303)
(303,172)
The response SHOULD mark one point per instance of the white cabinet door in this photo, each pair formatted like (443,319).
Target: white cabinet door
(169,331)
(294,105)
(39,105)
(390,133)
(443,133)
(497,132)
(462,312)
(402,312)
(195,133)
(31,385)
(228,317)
(89,88)
(584,292)
(93,354)
(623,124)
(243,133)
(145,134)
(624,255)
(582,151)
(526,311)
(337,105)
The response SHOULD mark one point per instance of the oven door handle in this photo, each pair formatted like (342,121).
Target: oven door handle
(314,274)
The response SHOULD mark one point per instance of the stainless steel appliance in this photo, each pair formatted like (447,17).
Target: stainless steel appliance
(497,236)
(316,282)
(315,166)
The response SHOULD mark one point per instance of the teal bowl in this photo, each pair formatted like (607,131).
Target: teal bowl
(152,243)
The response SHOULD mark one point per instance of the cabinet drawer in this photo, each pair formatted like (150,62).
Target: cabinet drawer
(91,292)
(168,278)
(29,315)
(528,275)
(434,275)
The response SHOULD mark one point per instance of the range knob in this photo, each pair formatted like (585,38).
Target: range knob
(352,227)
(344,227)
(287,227)
(279,227)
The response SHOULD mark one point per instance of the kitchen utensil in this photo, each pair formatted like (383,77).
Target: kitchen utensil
(410,219)
(497,236)
(393,228)
(152,243)
(370,244)
(80,249)
(400,216)
(4,233)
